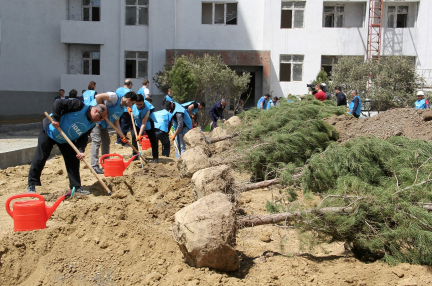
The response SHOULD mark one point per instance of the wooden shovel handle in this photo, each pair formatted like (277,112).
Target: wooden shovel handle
(78,152)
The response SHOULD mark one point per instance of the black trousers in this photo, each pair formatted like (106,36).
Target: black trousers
(125,125)
(152,137)
(164,139)
(44,148)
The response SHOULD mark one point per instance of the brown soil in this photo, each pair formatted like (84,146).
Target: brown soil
(126,239)
(406,122)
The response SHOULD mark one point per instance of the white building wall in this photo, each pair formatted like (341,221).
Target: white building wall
(37,37)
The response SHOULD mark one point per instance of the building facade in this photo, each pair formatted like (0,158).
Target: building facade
(46,45)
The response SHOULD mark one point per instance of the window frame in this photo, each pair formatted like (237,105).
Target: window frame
(335,14)
(334,62)
(137,60)
(395,14)
(90,60)
(214,11)
(90,6)
(293,9)
(138,7)
(292,62)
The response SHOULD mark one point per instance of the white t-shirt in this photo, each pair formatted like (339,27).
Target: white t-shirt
(112,101)
(146,92)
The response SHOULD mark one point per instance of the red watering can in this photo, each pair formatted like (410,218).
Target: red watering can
(114,167)
(31,215)
(145,142)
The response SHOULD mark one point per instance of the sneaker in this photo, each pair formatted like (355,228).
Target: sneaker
(117,143)
(155,161)
(98,170)
(31,190)
(81,191)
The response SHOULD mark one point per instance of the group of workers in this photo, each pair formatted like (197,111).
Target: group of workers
(80,118)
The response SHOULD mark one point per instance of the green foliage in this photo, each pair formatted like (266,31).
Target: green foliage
(281,139)
(382,177)
(162,79)
(212,79)
(182,80)
(392,80)
(321,77)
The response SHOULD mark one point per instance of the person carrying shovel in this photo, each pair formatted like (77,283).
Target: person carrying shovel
(115,104)
(77,120)
(144,120)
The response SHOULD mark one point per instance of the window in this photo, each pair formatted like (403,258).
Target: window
(333,16)
(91,63)
(90,10)
(137,12)
(219,13)
(398,16)
(292,15)
(136,64)
(291,67)
(327,63)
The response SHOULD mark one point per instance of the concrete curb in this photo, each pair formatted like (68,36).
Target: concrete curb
(19,127)
(21,157)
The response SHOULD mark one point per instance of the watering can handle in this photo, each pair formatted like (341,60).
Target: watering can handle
(21,196)
(101,160)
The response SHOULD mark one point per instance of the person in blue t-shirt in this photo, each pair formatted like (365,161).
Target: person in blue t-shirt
(163,126)
(77,120)
(421,102)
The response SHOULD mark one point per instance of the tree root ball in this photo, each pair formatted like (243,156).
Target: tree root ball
(191,161)
(206,233)
(214,179)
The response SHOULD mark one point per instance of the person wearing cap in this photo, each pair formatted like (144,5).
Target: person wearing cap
(421,102)
(263,102)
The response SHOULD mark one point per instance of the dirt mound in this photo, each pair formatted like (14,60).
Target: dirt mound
(408,122)
(126,239)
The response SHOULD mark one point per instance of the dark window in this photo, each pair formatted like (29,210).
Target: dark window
(137,12)
(136,64)
(91,10)
(219,13)
(91,63)
(333,16)
(285,72)
(397,16)
(292,15)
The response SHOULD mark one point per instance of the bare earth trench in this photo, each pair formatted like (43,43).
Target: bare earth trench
(126,239)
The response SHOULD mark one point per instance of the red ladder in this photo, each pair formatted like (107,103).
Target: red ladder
(375,29)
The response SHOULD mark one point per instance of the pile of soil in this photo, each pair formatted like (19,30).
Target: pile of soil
(126,238)
(408,122)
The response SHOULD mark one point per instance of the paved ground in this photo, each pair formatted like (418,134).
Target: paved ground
(15,141)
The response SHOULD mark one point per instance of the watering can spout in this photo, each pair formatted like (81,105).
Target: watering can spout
(126,164)
(51,209)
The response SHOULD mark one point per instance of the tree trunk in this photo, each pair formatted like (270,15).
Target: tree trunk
(221,138)
(250,221)
(266,183)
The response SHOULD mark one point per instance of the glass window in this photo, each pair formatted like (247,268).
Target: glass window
(91,63)
(333,16)
(136,64)
(90,10)
(291,68)
(137,12)
(397,16)
(292,14)
(217,13)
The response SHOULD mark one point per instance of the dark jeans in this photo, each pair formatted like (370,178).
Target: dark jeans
(164,139)
(125,125)
(152,138)
(45,145)
(356,116)
(214,124)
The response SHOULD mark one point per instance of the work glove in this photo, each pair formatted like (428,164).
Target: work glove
(138,139)
(124,140)
(173,137)
(192,116)
(129,110)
